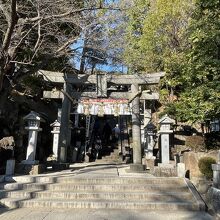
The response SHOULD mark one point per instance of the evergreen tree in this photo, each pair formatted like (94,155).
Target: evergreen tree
(200,96)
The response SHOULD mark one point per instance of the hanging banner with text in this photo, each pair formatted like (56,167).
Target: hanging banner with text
(103,107)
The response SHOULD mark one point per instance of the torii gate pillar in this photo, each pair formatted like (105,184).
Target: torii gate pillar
(136,132)
(64,128)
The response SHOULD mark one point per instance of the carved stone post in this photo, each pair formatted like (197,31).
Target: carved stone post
(165,131)
(56,133)
(150,134)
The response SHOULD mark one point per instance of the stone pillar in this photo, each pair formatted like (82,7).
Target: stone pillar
(165,131)
(10,167)
(136,132)
(165,148)
(33,128)
(32,143)
(64,128)
(76,123)
(150,130)
(56,133)
(150,146)
(149,157)
(59,112)
(216,173)
(147,116)
(69,133)
(181,170)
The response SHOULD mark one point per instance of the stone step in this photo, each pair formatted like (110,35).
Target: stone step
(23,186)
(114,153)
(114,187)
(101,161)
(160,196)
(112,156)
(123,180)
(106,161)
(100,204)
(110,159)
(116,161)
(92,180)
(93,185)
(99,186)
(31,179)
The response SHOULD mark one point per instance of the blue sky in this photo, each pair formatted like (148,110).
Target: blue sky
(108,68)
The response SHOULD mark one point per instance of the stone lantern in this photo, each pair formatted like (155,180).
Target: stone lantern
(56,132)
(150,132)
(33,119)
(165,131)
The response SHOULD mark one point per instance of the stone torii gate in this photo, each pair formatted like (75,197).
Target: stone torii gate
(102,83)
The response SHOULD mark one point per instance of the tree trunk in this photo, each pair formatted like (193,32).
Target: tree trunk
(93,68)
(83,57)
(83,61)
(1,78)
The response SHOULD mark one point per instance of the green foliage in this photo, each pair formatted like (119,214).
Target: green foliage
(181,38)
(156,34)
(134,32)
(205,166)
(157,37)
(200,96)
(169,110)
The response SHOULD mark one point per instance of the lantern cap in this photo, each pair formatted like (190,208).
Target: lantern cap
(32,116)
(56,123)
(166,120)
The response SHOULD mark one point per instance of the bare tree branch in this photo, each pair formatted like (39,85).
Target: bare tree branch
(45,28)
(11,24)
(22,39)
(36,50)
(68,13)
(5,10)
(39,29)
(67,44)
(23,63)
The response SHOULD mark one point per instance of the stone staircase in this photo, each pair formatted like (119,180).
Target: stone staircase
(100,191)
(110,156)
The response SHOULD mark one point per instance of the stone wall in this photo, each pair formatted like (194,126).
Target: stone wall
(164,172)
(213,198)
(191,160)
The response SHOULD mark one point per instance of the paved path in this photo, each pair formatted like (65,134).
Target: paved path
(98,214)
